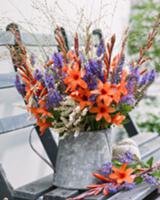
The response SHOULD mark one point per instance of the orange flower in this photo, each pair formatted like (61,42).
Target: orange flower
(122,175)
(42,125)
(118,118)
(120,89)
(82,96)
(102,112)
(104,92)
(74,79)
(102,178)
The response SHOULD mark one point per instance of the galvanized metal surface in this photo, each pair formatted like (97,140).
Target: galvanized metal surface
(78,157)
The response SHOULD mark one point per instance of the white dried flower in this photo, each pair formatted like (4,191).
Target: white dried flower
(84,112)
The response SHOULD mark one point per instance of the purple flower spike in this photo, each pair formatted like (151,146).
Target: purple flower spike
(151,75)
(95,68)
(49,80)
(106,168)
(90,80)
(144,80)
(53,98)
(38,75)
(32,59)
(129,100)
(127,157)
(119,69)
(121,63)
(150,179)
(113,190)
(101,48)
(128,186)
(57,59)
(20,87)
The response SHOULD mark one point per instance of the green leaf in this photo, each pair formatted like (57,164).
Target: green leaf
(49,119)
(117,163)
(138,180)
(156,174)
(150,162)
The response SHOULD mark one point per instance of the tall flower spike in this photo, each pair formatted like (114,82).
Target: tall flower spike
(20,86)
(108,54)
(76,44)
(150,39)
(57,60)
(60,40)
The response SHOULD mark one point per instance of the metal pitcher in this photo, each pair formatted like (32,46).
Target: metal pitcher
(78,157)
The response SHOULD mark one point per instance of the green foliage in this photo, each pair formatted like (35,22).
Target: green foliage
(142,19)
(152,124)
(156,174)
(138,180)
(150,162)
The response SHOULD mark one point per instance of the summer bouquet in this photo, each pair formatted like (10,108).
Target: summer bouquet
(79,90)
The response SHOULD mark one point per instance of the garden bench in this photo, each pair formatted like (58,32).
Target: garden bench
(43,188)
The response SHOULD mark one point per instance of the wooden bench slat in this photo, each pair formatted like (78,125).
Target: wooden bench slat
(7,80)
(143,138)
(29,39)
(15,122)
(149,148)
(35,189)
(98,197)
(6,38)
(60,194)
(138,193)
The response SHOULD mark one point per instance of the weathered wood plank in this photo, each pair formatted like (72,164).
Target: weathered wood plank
(28,39)
(35,189)
(7,80)
(143,138)
(6,38)
(148,149)
(98,197)
(60,194)
(138,193)
(15,122)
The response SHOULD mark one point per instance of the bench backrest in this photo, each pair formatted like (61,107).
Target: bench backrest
(17,42)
